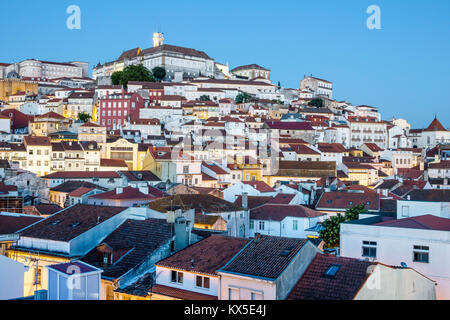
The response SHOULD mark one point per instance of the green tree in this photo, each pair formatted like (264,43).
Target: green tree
(159,73)
(83,116)
(332,226)
(116,78)
(205,98)
(316,103)
(132,73)
(243,97)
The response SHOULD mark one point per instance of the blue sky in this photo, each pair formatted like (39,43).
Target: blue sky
(404,68)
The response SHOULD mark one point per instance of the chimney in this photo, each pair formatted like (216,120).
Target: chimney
(257,237)
(245,200)
(408,197)
(181,233)
(119,190)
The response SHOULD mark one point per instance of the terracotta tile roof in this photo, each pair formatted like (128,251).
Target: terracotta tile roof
(261,186)
(206,256)
(253,201)
(373,147)
(131,245)
(213,167)
(70,186)
(314,285)
(47,209)
(80,191)
(199,202)
(427,222)
(114,163)
(51,114)
(12,223)
(444,164)
(249,66)
(435,125)
(282,198)
(129,193)
(71,222)
(331,147)
(281,125)
(180,293)
(303,149)
(347,200)
(82,175)
(278,212)
(439,195)
(266,257)
(37,141)
(140,176)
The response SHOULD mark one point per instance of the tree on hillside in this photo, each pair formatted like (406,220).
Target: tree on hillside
(83,116)
(204,98)
(332,226)
(159,73)
(132,73)
(243,97)
(317,102)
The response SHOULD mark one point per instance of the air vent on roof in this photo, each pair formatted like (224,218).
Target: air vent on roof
(76,224)
(54,223)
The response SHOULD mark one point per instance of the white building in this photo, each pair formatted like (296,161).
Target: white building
(11,278)
(421,243)
(320,87)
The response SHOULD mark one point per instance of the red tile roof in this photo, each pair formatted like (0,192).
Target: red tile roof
(129,193)
(261,186)
(266,257)
(435,125)
(206,256)
(180,293)
(71,222)
(12,223)
(82,174)
(347,200)
(314,285)
(281,125)
(279,212)
(427,222)
(115,163)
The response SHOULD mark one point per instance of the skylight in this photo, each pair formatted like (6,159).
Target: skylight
(332,270)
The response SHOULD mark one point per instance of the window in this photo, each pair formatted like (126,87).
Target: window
(421,254)
(332,270)
(256,296)
(233,294)
(202,282)
(38,276)
(405,211)
(369,249)
(252,224)
(177,277)
(261,225)
(295,225)
(186,169)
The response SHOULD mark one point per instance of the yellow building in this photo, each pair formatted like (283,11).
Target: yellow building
(9,87)
(122,149)
(35,278)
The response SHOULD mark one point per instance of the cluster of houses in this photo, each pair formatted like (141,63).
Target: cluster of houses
(213,184)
